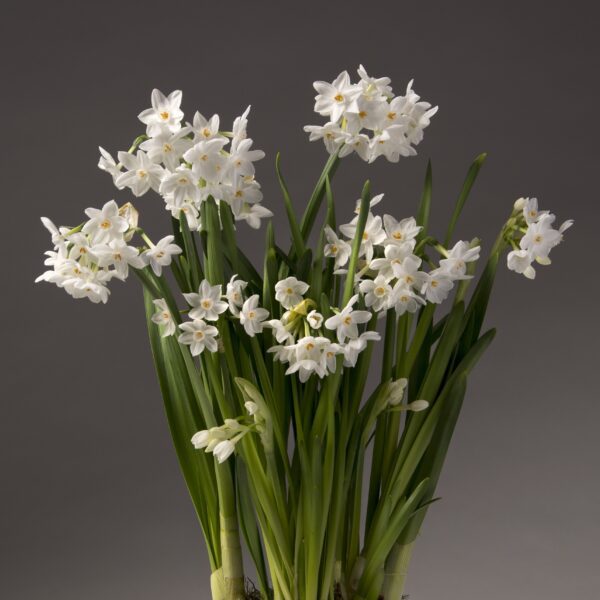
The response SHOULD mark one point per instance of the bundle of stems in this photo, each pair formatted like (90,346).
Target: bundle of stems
(295,492)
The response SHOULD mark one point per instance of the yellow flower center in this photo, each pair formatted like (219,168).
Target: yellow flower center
(164,115)
(348,321)
(206,303)
(338,98)
(105,224)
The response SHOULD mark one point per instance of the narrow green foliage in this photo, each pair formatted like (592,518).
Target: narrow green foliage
(464,194)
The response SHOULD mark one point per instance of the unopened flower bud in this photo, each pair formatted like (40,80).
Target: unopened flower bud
(418,405)
(396,391)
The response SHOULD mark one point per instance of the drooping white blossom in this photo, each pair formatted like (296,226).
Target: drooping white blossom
(234,294)
(163,317)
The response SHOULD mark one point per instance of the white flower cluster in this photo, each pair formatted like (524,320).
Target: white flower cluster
(86,258)
(208,305)
(539,237)
(390,274)
(187,164)
(221,440)
(301,342)
(367,118)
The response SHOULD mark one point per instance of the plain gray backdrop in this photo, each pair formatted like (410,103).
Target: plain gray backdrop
(93,505)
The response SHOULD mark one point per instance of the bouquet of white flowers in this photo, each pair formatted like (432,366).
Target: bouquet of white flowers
(264,370)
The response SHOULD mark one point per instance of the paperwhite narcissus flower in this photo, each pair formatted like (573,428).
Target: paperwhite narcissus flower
(242,159)
(198,335)
(204,129)
(315,319)
(336,248)
(253,214)
(107,163)
(353,348)
(307,357)
(167,148)
(164,317)
(182,185)
(407,270)
(437,286)
(455,264)
(417,405)
(346,322)
(541,237)
(375,200)
(207,303)
(223,450)
(280,331)
(405,300)
(207,160)
(334,99)
(165,113)
(105,224)
(234,294)
(374,86)
(377,293)
(118,254)
(252,316)
(520,262)
(240,126)
(142,174)
(373,234)
(530,209)
(161,255)
(399,232)
(289,292)
(331,133)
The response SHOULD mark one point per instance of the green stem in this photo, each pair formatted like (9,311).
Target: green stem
(396,570)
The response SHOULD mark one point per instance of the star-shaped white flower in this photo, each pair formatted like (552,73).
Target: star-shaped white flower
(207,303)
(199,336)
(165,113)
(161,255)
(289,291)
(252,316)
(141,175)
(346,322)
(105,224)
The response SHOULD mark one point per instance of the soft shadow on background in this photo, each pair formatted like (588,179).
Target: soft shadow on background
(93,505)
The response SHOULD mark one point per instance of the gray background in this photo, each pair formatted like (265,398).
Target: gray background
(93,506)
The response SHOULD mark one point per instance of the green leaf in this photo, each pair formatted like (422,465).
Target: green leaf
(464,194)
(298,242)
(356,243)
(425,204)
(314,203)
